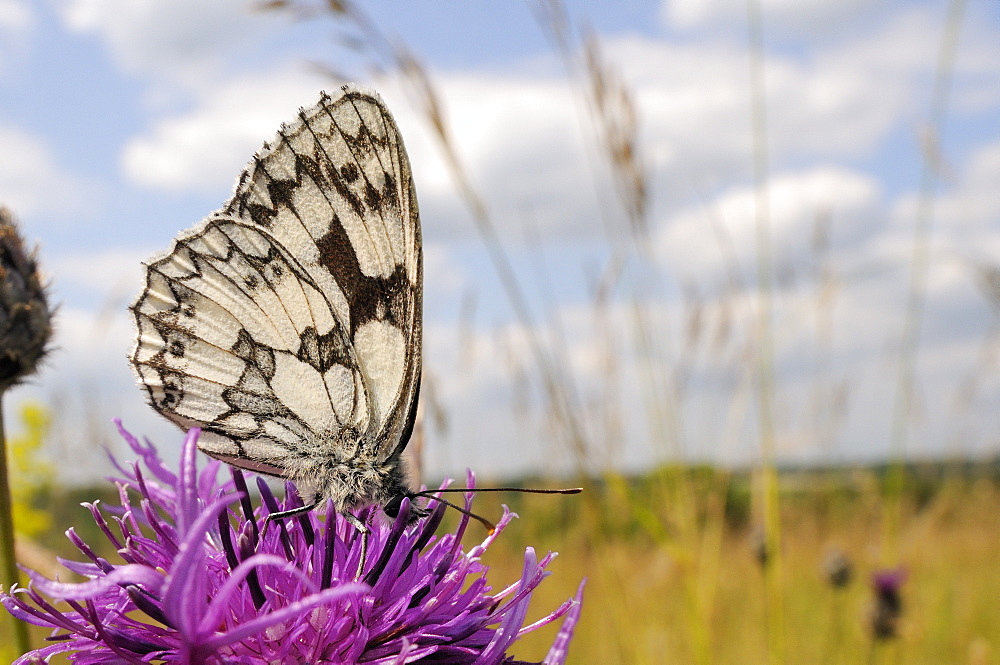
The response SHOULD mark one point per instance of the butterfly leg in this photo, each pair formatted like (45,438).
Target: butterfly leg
(284,514)
(365,532)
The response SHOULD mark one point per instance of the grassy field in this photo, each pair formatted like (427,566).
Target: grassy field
(658,597)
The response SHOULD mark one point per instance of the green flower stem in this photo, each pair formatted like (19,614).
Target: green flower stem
(8,560)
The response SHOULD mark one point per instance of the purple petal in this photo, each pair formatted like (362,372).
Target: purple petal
(44,615)
(514,612)
(149,456)
(297,609)
(184,599)
(187,509)
(144,576)
(560,647)
(217,607)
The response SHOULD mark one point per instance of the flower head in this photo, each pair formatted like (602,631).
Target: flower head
(887,607)
(837,568)
(204,578)
(25,317)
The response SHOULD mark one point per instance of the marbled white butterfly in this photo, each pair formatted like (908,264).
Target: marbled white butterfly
(287,324)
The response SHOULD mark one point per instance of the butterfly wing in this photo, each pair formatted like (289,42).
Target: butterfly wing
(293,314)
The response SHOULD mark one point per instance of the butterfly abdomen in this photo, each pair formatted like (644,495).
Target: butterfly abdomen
(344,468)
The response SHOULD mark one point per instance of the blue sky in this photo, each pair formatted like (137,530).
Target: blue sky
(124,123)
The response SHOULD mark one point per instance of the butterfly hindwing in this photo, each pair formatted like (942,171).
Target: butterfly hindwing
(291,318)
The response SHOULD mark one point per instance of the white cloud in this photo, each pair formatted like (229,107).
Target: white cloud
(974,206)
(17,21)
(836,99)
(704,241)
(494,424)
(206,148)
(442,276)
(518,140)
(185,41)
(33,183)
(15,16)
(119,275)
(695,104)
(965,211)
(521,141)
(523,146)
(807,17)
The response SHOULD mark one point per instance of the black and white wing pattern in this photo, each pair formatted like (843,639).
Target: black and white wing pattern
(287,324)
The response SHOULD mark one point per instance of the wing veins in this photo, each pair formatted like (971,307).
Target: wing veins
(391,416)
(354,154)
(301,270)
(410,373)
(273,242)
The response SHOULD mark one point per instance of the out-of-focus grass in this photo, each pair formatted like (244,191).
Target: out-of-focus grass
(634,607)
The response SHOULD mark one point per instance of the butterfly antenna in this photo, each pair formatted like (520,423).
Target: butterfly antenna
(524,490)
(431,494)
(490,526)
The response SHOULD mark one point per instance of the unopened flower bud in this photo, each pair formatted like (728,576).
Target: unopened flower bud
(25,317)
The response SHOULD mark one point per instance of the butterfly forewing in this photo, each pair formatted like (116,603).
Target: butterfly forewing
(291,318)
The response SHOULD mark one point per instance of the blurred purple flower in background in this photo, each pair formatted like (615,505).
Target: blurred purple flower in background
(203,581)
(887,606)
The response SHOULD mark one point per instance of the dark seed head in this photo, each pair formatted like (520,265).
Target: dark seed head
(25,317)
(838,569)
(759,547)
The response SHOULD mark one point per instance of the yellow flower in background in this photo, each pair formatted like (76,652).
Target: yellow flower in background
(32,476)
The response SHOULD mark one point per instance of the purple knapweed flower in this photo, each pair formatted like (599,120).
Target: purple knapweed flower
(887,606)
(204,579)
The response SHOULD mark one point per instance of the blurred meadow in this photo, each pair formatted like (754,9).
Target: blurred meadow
(768,553)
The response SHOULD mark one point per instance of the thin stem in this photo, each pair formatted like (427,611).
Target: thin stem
(765,342)
(917,293)
(8,559)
